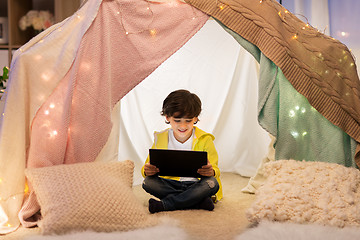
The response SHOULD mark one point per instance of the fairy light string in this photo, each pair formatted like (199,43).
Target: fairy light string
(149,28)
(309,31)
(305,30)
(47,76)
(18,196)
(13,197)
(300,35)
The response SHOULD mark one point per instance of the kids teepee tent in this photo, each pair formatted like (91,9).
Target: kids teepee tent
(66,82)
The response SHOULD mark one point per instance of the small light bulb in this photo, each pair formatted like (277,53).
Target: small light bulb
(294,37)
(45,76)
(53,134)
(294,134)
(26,189)
(85,66)
(292,113)
(152,32)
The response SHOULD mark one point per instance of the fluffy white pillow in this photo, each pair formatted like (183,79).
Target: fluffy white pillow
(308,192)
(88,196)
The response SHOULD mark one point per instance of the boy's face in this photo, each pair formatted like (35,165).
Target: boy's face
(182,127)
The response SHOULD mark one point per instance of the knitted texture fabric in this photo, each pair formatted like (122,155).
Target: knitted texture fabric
(126,41)
(65,82)
(88,196)
(308,192)
(319,67)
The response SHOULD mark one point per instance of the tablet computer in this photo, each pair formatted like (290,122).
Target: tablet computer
(180,163)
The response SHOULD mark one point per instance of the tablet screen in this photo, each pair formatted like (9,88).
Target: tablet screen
(179,163)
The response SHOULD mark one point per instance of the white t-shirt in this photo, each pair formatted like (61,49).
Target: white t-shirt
(174,144)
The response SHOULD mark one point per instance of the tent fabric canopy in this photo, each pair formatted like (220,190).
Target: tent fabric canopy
(287,115)
(319,67)
(64,115)
(61,112)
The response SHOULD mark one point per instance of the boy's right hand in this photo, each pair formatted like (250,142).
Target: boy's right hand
(150,170)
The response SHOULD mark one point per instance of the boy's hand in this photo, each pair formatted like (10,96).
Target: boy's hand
(150,169)
(206,170)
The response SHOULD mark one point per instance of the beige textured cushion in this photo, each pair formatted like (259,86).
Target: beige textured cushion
(308,192)
(88,196)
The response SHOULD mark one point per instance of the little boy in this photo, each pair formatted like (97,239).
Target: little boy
(181,110)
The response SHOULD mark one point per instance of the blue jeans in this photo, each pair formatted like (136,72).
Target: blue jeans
(177,195)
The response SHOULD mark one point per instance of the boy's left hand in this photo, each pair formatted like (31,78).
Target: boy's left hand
(206,170)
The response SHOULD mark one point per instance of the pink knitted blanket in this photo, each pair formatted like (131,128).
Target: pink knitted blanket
(125,43)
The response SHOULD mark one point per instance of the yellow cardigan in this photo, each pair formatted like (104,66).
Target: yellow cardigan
(202,141)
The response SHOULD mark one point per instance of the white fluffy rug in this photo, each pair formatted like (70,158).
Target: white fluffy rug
(308,192)
(164,231)
(285,231)
(264,231)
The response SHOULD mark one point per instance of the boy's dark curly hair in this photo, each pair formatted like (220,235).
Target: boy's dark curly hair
(181,104)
